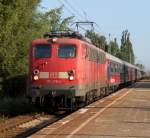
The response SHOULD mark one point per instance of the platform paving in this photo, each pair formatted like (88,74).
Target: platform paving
(124,114)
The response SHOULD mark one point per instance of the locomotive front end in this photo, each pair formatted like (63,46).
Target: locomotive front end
(52,72)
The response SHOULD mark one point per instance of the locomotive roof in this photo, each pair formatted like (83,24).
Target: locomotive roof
(109,56)
(72,34)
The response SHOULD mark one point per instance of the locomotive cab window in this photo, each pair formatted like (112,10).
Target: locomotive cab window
(42,51)
(67,51)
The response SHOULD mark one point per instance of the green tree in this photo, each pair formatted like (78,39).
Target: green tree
(114,48)
(126,50)
(141,66)
(53,20)
(16,22)
(97,40)
(16,18)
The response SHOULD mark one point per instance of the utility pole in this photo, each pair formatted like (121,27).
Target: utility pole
(109,48)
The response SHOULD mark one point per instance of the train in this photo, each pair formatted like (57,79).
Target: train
(66,70)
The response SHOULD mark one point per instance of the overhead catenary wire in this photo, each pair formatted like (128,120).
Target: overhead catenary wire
(85,13)
(71,10)
(82,28)
(74,9)
(72,14)
(82,10)
(86,18)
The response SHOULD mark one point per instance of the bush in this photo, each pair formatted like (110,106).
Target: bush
(10,107)
(14,86)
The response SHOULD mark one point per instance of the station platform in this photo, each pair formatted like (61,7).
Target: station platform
(124,114)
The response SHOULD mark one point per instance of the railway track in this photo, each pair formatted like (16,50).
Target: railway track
(25,125)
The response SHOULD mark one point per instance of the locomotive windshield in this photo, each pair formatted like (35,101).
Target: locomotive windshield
(42,51)
(67,51)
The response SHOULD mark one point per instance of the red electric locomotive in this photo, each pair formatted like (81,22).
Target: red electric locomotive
(65,70)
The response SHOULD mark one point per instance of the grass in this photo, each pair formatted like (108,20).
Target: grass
(3,118)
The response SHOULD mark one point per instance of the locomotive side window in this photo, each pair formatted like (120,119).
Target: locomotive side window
(67,51)
(112,67)
(42,51)
(102,58)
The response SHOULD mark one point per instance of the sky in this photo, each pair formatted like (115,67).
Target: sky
(112,17)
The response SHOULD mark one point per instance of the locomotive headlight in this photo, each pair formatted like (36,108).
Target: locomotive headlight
(71,72)
(71,78)
(36,71)
(54,39)
(35,77)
